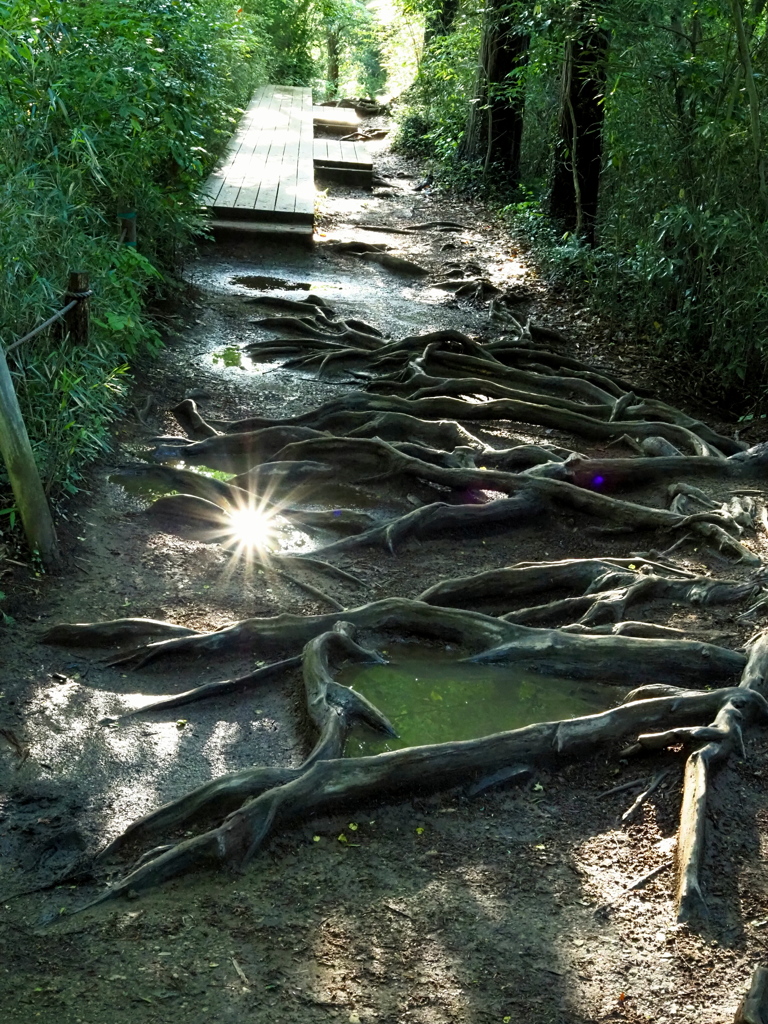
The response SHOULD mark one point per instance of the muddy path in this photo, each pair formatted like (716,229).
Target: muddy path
(512,904)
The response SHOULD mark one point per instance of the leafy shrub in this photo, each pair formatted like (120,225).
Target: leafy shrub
(111,106)
(412,134)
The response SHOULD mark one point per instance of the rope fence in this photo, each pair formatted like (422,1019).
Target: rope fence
(15,449)
(78,293)
(58,315)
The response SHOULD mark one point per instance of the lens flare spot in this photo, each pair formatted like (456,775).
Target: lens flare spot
(250,527)
(598,481)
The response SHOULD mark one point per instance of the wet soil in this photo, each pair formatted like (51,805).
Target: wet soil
(512,906)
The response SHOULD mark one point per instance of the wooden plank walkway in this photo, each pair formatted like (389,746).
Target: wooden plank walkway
(266,178)
(332,153)
(341,119)
(267,172)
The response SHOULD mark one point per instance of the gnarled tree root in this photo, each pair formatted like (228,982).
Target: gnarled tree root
(715,742)
(330,784)
(545,650)
(600,589)
(753,1008)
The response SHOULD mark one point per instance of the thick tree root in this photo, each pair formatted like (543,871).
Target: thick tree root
(623,474)
(496,409)
(410,430)
(330,784)
(715,742)
(600,589)
(189,419)
(495,590)
(550,651)
(242,684)
(753,1008)
(333,708)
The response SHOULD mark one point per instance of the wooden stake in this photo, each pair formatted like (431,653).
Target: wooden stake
(78,319)
(128,228)
(25,479)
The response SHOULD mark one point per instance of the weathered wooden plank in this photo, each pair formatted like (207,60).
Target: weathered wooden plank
(280,136)
(236,159)
(331,153)
(285,201)
(343,117)
(305,182)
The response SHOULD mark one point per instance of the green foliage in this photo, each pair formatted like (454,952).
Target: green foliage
(412,135)
(683,221)
(434,119)
(349,35)
(108,107)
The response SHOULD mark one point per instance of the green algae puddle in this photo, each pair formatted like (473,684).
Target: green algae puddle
(431,697)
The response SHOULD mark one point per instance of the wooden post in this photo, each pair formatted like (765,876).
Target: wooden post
(78,319)
(25,479)
(128,227)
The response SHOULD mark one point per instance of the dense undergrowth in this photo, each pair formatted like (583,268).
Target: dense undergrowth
(682,233)
(106,108)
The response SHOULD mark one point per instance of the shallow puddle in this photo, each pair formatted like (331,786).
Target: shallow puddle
(431,697)
(263,281)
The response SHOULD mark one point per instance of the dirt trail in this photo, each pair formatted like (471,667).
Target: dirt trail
(433,909)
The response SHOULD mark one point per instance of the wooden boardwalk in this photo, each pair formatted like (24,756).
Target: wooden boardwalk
(337,119)
(342,155)
(268,169)
(266,178)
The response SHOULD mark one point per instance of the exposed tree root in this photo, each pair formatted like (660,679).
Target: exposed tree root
(331,784)
(714,743)
(598,589)
(232,452)
(753,1008)
(428,424)
(546,650)
(223,688)
(375,459)
(189,419)
(623,474)
(308,306)
(327,418)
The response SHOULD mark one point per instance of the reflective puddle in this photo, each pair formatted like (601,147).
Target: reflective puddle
(264,281)
(431,697)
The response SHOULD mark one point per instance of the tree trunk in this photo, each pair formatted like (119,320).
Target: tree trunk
(506,100)
(334,59)
(578,149)
(754,102)
(439,21)
(495,123)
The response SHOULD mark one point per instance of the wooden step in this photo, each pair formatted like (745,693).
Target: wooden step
(297,232)
(351,155)
(336,118)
